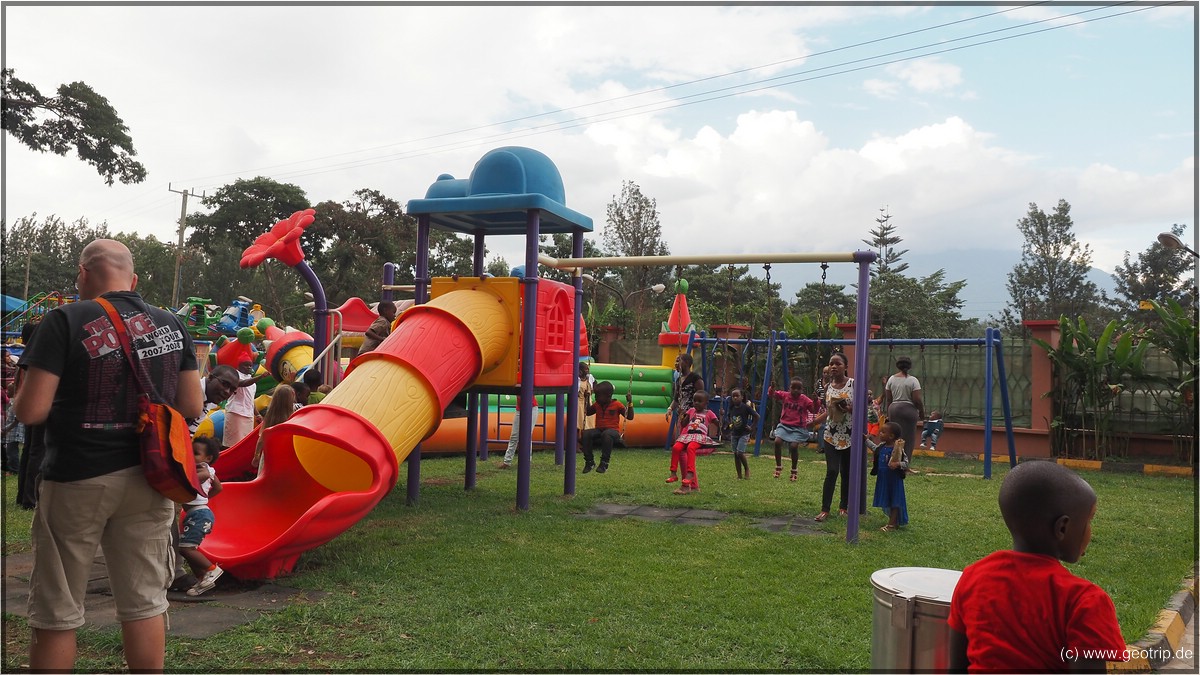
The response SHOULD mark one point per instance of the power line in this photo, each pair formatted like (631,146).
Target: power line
(710,95)
(630,95)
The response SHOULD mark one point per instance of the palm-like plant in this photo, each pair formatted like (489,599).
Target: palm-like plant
(1090,373)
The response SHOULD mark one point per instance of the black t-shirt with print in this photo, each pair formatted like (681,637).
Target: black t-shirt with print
(90,431)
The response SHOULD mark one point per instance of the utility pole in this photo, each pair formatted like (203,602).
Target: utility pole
(28,261)
(179,246)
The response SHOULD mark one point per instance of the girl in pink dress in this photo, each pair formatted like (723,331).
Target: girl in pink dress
(699,429)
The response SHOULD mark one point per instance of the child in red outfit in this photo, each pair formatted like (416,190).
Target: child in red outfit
(699,429)
(608,412)
(1021,610)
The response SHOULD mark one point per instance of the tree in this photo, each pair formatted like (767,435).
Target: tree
(155,264)
(560,246)
(1051,279)
(633,230)
(51,250)
(1158,274)
(910,307)
(242,211)
(497,266)
(77,117)
(348,244)
(883,240)
(821,300)
(721,294)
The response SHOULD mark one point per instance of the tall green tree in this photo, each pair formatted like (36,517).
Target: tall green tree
(242,211)
(77,117)
(1158,274)
(910,307)
(1051,279)
(917,307)
(633,229)
(349,242)
(884,240)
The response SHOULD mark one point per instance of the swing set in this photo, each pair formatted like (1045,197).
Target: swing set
(857,488)
(778,342)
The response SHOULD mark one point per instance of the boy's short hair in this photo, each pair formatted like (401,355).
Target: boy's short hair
(603,386)
(895,427)
(1036,493)
(211,445)
(312,377)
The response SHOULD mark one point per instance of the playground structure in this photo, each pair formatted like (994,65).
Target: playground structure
(32,309)
(335,461)
(494,338)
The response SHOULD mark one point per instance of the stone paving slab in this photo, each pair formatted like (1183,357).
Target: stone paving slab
(231,603)
(790,525)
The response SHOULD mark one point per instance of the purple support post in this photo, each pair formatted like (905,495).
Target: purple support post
(528,344)
(389,278)
(573,395)
(858,423)
(471,469)
(420,297)
(483,428)
(560,423)
(320,307)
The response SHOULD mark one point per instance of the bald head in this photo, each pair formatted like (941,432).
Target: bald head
(1036,494)
(105,265)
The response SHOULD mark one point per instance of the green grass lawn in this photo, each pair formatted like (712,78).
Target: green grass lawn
(464,581)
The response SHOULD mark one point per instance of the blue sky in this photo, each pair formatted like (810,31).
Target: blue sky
(955,145)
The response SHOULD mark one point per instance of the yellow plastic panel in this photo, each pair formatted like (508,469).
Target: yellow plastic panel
(670,353)
(332,467)
(500,340)
(394,397)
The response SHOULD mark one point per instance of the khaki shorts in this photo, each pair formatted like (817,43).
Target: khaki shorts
(118,512)
(237,427)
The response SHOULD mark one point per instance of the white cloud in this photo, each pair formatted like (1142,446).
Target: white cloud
(290,91)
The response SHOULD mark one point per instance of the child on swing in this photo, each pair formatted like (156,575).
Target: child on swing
(793,423)
(607,432)
(699,429)
(741,416)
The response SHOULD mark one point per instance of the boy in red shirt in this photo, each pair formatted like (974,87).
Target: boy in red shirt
(1021,610)
(608,425)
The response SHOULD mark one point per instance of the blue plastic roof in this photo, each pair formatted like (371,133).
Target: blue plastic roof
(504,186)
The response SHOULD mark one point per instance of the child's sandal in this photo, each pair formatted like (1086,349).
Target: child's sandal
(888,528)
(778,470)
(793,478)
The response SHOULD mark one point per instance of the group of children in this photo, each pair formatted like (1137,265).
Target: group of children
(197,520)
(699,428)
